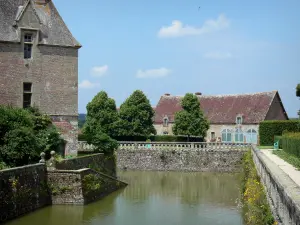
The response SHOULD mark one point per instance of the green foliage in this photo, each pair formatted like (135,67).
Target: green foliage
(101,116)
(190,120)
(270,128)
(24,134)
(20,146)
(291,143)
(103,143)
(298,90)
(136,116)
(291,159)
(100,123)
(91,183)
(255,205)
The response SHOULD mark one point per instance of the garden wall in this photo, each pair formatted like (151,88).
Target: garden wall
(98,162)
(216,160)
(22,190)
(283,193)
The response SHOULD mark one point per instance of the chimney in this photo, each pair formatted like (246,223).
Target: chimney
(198,93)
(167,94)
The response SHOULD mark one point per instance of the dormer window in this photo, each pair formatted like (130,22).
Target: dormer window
(239,120)
(28,42)
(166,121)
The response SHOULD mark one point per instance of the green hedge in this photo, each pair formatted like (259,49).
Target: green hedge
(157,138)
(270,128)
(291,143)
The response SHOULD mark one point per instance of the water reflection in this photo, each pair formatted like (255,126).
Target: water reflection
(154,198)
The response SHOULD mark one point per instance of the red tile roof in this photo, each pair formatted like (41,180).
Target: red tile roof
(221,109)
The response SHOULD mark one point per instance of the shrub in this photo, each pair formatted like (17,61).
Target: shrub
(24,134)
(270,128)
(21,147)
(103,143)
(255,205)
(291,143)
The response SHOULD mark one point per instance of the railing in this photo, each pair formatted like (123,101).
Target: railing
(84,146)
(181,145)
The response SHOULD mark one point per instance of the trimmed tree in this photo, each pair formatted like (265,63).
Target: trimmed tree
(100,123)
(298,90)
(136,116)
(191,120)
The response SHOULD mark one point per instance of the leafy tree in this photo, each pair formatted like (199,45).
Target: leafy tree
(191,120)
(101,122)
(101,116)
(136,116)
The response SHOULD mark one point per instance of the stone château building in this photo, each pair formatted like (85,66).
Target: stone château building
(233,118)
(39,63)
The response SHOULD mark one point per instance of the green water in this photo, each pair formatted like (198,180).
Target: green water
(154,198)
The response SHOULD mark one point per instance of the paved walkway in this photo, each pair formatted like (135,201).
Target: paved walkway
(290,170)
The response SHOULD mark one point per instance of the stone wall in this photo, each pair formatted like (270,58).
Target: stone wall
(217,160)
(22,190)
(283,193)
(79,187)
(98,162)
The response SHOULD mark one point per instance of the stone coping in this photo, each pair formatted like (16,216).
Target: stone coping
(68,171)
(22,167)
(284,183)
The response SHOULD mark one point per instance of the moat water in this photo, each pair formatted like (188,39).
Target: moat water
(154,198)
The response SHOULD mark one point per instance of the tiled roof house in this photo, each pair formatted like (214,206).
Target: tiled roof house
(233,118)
(39,62)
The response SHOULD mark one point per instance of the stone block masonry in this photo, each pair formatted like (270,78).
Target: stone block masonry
(98,162)
(79,187)
(212,160)
(283,193)
(23,190)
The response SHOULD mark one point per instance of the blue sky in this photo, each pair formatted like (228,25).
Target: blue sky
(226,47)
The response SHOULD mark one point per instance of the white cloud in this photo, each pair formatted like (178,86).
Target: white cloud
(86,84)
(218,55)
(153,73)
(177,29)
(99,71)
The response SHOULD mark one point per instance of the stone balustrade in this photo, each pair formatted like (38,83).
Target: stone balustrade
(181,145)
(83,146)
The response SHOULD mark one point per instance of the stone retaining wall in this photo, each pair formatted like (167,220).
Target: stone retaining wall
(23,190)
(98,162)
(79,187)
(283,193)
(217,160)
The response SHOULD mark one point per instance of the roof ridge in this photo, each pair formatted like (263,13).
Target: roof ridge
(223,95)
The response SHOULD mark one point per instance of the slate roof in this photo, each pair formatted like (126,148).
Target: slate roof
(221,109)
(53,30)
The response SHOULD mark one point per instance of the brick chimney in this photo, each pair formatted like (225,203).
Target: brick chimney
(198,93)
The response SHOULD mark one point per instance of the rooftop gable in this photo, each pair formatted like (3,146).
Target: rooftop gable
(52,29)
(221,109)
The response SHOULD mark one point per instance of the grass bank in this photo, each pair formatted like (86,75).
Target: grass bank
(256,209)
(291,159)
